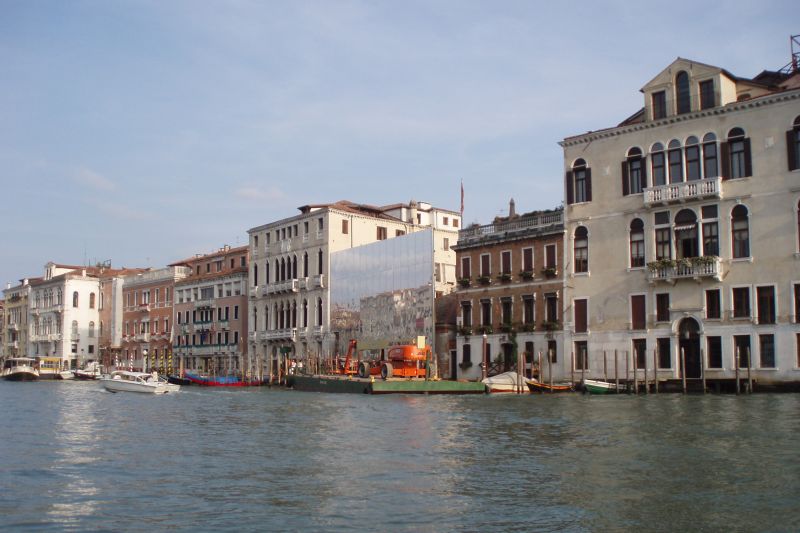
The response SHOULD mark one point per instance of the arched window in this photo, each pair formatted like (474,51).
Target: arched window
(634,178)
(266,318)
(793,144)
(74,329)
(740,232)
(682,96)
(255,318)
(100,331)
(305,313)
(294,314)
(282,317)
(294,266)
(75,299)
(637,243)
(91,330)
(581,246)
(91,300)
(305,264)
(675,162)
(255,274)
(579,183)
(266,273)
(319,262)
(319,311)
(657,164)
(283,269)
(710,166)
(277,270)
(738,157)
(686,234)
(798,235)
(692,154)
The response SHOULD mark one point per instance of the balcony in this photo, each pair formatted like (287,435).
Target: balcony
(143,337)
(523,224)
(303,332)
(14,344)
(251,336)
(318,281)
(318,330)
(285,334)
(223,324)
(253,292)
(696,268)
(13,327)
(283,287)
(144,307)
(683,192)
(204,302)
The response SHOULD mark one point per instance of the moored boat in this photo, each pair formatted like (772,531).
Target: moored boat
(506,382)
(221,381)
(127,381)
(540,386)
(594,386)
(91,371)
(20,369)
(51,368)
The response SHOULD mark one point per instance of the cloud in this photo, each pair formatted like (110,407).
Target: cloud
(254,193)
(92,179)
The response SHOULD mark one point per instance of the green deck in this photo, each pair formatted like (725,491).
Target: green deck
(378,386)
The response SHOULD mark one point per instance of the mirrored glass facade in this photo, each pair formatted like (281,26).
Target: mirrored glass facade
(382,293)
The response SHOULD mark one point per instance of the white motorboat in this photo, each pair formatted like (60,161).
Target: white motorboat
(92,370)
(127,381)
(20,369)
(506,382)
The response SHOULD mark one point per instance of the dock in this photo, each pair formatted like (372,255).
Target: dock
(356,385)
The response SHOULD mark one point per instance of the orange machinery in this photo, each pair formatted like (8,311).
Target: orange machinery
(406,360)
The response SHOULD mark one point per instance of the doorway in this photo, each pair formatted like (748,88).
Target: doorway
(689,345)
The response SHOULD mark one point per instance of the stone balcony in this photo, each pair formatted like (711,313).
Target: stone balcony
(683,191)
(523,224)
(291,285)
(696,268)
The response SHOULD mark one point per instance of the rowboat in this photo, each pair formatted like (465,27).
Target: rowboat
(506,382)
(541,386)
(593,386)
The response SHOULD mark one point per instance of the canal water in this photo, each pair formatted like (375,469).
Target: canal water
(74,457)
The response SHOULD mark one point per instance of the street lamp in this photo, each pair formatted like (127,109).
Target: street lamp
(485,369)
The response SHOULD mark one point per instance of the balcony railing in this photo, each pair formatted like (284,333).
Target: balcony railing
(683,191)
(318,281)
(529,222)
(283,286)
(289,334)
(253,292)
(690,268)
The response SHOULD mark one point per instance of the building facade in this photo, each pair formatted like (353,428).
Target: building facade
(210,314)
(683,231)
(289,285)
(147,318)
(16,321)
(510,294)
(111,314)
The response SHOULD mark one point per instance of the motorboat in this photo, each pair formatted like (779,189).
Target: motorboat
(92,370)
(20,369)
(506,382)
(128,381)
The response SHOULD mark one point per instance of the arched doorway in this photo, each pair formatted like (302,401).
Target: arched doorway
(689,345)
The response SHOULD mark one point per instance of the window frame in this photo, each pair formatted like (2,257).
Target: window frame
(741,313)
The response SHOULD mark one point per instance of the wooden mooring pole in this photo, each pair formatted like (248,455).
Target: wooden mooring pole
(635,358)
(627,372)
(541,373)
(616,370)
(572,369)
(605,366)
(655,370)
(749,374)
(550,368)
(646,391)
(703,369)
(736,370)
(683,369)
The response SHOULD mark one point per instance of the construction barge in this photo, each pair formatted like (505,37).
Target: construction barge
(359,385)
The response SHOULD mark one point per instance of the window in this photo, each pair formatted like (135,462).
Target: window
(550,256)
(657,164)
(91,330)
(741,302)
(399,233)
(320,224)
(682,97)
(551,307)
(319,262)
(91,300)
(637,243)
(663,243)
(381,233)
(528,309)
(710,169)
(527,259)
(662,307)
(579,183)
(445,244)
(236,312)
(506,307)
(740,232)
(793,145)
(74,299)
(710,230)
(713,308)
(741,350)
(633,173)
(552,350)
(640,353)
(455,222)
(466,353)
(466,267)
(766,351)
(528,352)
(466,314)
(581,316)
(486,312)
(664,352)
(638,312)
(797,303)
(485,265)
(581,355)
(692,154)
(345,228)
(797,349)
(707,94)
(445,221)
(765,297)
(581,249)
(675,162)
(714,352)
(208,267)
(686,234)
(659,101)
(505,262)
(737,163)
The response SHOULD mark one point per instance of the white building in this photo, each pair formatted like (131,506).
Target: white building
(289,302)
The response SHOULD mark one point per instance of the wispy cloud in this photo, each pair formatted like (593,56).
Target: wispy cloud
(90,178)
(254,193)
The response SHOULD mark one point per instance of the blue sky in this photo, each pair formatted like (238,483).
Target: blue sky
(144,132)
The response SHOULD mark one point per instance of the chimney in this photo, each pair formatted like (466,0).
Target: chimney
(412,211)
(512,212)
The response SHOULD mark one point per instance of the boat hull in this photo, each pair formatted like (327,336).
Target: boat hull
(221,381)
(600,387)
(538,386)
(354,385)
(21,376)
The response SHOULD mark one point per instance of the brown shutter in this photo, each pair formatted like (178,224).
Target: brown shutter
(790,150)
(748,161)
(570,193)
(644,173)
(588,184)
(581,317)
(725,160)
(638,318)
(625,188)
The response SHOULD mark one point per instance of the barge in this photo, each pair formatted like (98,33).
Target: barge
(356,385)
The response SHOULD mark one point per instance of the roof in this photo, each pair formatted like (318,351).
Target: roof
(205,257)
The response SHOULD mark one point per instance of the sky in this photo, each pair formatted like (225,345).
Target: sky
(144,132)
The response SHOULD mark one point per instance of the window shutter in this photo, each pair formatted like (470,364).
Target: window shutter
(638,312)
(588,184)
(644,173)
(748,162)
(570,193)
(725,160)
(581,318)
(790,150)
(625,188)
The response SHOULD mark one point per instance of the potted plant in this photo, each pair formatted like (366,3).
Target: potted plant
(506,328)
(465,331)
(488,330)
(464,282)
(552,325)
(484,280)
(526,275)
(549,272)
(463,365)
(528,328)
(504,277)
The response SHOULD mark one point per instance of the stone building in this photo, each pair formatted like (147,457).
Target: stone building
(16,318)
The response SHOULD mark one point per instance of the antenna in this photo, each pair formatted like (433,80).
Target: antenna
(794,64)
